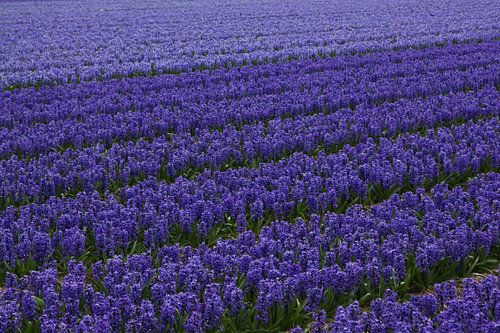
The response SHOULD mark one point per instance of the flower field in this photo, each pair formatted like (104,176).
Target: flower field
(249,166)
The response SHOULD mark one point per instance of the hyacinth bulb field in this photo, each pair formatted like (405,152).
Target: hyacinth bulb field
(250,166)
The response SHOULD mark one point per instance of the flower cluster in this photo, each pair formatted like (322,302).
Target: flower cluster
(473,307)
(338,254)
(289,188)
(184,166)
(59,42)
(258,101)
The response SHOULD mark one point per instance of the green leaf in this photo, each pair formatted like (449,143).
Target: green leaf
(39,304)
(366,299)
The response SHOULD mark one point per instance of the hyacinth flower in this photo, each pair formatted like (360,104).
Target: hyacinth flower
(300,186)
(106,48)
(254,172)
(118,111)
(448,308)
(289,271)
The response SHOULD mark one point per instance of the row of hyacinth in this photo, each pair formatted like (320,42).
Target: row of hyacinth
(238,166)
(284,276)
(178,154)
(242,108)
(30,105)
(454,96)
(245,198)
(469,306)
(68,41)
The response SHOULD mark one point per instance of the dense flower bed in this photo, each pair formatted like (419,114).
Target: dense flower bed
(73,41)
(317,166)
